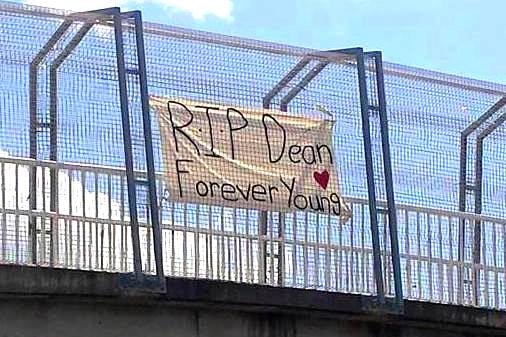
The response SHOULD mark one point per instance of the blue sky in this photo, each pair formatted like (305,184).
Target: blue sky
(463,37)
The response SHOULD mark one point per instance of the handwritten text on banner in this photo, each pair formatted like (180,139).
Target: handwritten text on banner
(261,159)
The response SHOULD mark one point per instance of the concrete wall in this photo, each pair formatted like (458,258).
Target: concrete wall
(38,302)
(46,317)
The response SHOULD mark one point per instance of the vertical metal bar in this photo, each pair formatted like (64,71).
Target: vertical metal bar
(127,143)
(477,188)
(54,246)
(363,259)
(317,251)
(222,243)
(281,249)
(32,229)
(477,224)
(294,250)
(440,263)
(217,238)
(347,275)
(352,252)
(83,202)
(43,218)
(70,222)
(249,268)
(408,252)
(384,252)
(478,197)
(271,250)
(97,225)
(110,225)
(339,280)
(494,258)
(485,269)
(262,249)
(122,224)
(16,187)
(451,263)
(337,266)
(387,166)
(262,228)
(33,79)
(419,256)
(211,241)
(429,253)
(228,265)
(53,151)
(463,173)
(4,214)
(172,248)
(373,211)
(185,239)
(53,127)
(462,208)
(196,243)
(238,248)
(306,250)
(366,262)
(327,254)
(150,162)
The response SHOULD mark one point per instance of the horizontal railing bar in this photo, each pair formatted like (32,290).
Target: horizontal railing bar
(267,238)
(121,172)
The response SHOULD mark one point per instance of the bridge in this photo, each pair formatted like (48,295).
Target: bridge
(89,227)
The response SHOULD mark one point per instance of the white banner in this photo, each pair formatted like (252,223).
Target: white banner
(245,158)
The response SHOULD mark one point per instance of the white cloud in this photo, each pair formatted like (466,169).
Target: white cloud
(77,6)
(198,9)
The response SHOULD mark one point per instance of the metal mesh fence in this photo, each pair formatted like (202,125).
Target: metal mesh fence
(427,112)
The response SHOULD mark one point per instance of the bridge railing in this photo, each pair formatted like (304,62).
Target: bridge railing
(90,230)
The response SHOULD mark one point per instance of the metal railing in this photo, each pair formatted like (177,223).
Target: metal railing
(90,230)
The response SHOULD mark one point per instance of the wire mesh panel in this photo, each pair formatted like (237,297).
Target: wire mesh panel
(427,113)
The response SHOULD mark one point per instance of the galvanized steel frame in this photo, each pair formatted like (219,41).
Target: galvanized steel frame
(91,18)
(476,188)
(359,56)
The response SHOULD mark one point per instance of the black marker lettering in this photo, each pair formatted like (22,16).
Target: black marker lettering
(308,154)
(290,190)
(264,117)
(179,171)
(336,200)
(294,150)
(325,209)
(232,129)
(180,128)
(227,189)
(257,191)
(206,189)
(319,150)
(213,184)
(315,203)
(241,191)
(272,188)
(212,154)
(300,197)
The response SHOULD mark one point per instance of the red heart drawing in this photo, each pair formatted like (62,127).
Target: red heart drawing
(322,178)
